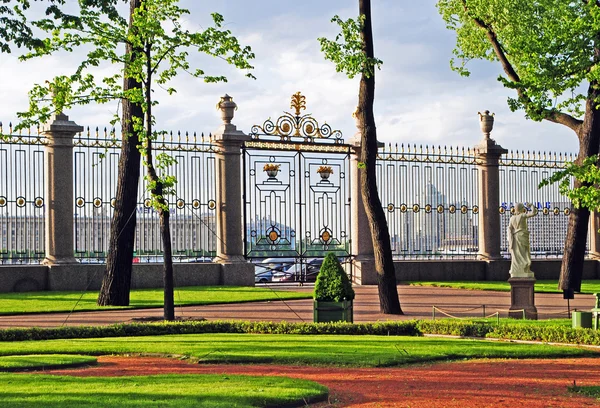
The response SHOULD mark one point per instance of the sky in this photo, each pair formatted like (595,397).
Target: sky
(418,99)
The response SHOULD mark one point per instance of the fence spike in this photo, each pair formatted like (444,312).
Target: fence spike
(10,128)
(171,136)
(195,138)
(179,137)
(187,137)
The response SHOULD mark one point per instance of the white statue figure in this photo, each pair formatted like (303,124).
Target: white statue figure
(518,242)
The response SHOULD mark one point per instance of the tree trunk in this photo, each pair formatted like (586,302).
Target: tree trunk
(165,232)
(158,191)
(575,243)
(389,302)
(117,278)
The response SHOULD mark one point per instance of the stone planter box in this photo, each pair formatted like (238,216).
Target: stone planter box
(324,312)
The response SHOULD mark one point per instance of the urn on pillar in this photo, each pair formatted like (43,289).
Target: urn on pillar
(227,106)
(486,121)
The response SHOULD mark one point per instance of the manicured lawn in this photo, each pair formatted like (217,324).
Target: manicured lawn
(336,350)
(40,361)
(541,286)
(588,391)
(36,390)
(44,302)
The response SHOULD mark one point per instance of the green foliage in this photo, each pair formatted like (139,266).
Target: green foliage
(160,46)
(550,44)
(167,391)
(405,328)
(346,51)
(588,173)
(332,284)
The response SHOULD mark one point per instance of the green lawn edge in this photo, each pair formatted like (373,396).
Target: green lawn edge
(58,302)
(12,363)
(167,390)
(541,286)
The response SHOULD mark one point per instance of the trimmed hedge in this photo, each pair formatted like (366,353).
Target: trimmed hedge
(554,334)
(405,328)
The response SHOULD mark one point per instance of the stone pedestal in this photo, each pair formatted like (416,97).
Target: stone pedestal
(522,297)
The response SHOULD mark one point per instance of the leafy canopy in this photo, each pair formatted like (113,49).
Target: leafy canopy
(346,51)
(588,173)
(549,44)
(161,47)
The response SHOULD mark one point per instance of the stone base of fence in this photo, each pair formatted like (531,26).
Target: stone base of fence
(475,270)
(363,271)
(25,278)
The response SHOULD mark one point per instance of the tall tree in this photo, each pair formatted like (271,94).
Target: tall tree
(157,49)
(549,51)
(116,284)
(352,52)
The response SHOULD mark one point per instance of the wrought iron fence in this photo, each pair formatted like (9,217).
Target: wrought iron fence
(520,174)
(193,231)
(21,197)
(96,156)
(430,196)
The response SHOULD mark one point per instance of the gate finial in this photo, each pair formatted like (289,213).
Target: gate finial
(298,102)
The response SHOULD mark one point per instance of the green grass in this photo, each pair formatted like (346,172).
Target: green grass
(34,390)
(333,350)
(541,286)
(45,302)
(588,391)
(39,361)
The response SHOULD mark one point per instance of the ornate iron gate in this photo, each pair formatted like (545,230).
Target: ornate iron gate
(296,189)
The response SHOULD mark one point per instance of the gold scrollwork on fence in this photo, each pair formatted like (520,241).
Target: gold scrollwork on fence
(289,126)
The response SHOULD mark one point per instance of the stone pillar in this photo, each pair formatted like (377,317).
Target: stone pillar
(363,263)
(59,201)
(229,212)
(594,235)
(488,156)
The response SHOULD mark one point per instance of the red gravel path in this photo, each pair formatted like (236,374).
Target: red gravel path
(482,383)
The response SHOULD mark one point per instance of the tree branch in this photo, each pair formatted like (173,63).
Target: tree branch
(550,115)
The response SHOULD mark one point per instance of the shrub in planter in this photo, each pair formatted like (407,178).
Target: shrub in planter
(333,293)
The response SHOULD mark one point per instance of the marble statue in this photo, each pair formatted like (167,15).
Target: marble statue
(518,242)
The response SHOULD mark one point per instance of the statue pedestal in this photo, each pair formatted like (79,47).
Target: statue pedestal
(522,297)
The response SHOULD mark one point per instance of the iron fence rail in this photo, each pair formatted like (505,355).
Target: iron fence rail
(22,210)
(520,175)
(430,196)
(193,231)
(95,163)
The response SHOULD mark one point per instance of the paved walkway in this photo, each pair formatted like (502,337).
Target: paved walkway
(417,303)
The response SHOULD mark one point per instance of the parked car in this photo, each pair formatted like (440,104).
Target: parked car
(300,272)
(263,272)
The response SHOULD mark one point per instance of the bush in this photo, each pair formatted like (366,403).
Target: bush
(332,283)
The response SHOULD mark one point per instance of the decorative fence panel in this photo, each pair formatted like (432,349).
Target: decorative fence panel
(192,208)
(430,197)
(520,175)
(21,198)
